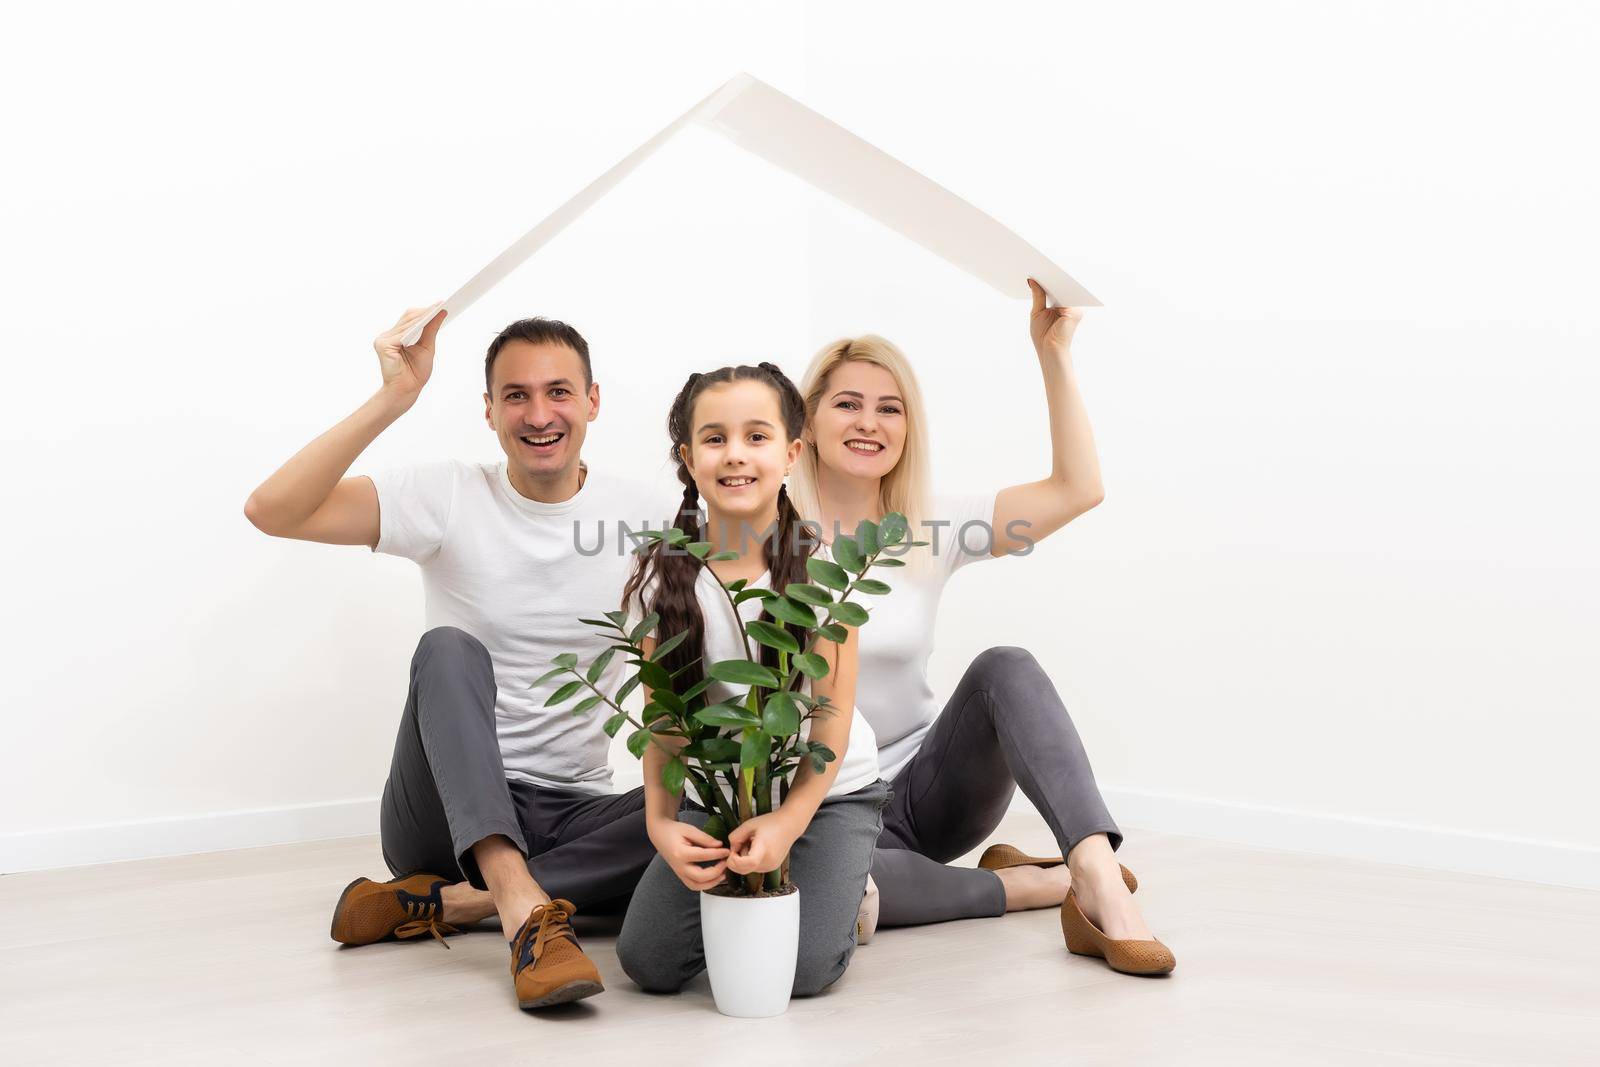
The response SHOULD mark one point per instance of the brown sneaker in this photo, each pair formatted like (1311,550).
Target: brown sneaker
(999,857)
(547,965)
(371,911)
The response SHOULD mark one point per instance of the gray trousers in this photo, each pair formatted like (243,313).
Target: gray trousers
(1004,726)
(447,790)
(660,947)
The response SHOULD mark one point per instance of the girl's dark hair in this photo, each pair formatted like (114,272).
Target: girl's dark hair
(786,550)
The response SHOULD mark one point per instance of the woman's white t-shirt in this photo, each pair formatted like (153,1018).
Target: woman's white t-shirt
(858,766)
(892,690)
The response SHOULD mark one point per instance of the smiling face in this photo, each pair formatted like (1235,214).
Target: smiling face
(859,428)
(738,451)
(540,410)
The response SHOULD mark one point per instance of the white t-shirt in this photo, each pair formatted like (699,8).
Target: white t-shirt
(518,574)
(858,764)
(892,690)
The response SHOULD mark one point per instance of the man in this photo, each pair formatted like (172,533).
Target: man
(495,804)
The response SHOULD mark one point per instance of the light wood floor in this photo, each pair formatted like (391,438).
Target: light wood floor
(1283,958)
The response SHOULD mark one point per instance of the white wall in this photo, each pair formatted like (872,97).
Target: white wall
(1341,593)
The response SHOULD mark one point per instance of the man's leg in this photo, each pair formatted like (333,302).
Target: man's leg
(446,806)
(599,847)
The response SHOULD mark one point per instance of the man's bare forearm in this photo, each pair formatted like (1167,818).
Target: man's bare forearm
(296,489)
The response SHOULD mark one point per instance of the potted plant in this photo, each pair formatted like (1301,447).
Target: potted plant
(731,755)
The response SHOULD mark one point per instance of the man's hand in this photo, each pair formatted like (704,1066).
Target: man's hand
(760,844)
(406,368)
(685,847)
(1051,328)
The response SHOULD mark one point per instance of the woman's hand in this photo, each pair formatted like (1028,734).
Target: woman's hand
(1051,328)
(685,847)
(407,368)
(760,844)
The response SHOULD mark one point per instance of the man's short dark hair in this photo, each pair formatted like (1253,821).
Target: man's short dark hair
(538,330)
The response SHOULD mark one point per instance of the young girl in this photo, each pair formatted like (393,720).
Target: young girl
(955,770)
(735,435)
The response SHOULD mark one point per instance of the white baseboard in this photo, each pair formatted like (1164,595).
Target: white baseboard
(1351,837)
(179,836)
(1548,862)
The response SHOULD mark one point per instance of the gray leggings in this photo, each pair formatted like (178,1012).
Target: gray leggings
(1004,726)
(660,948)
(447,790)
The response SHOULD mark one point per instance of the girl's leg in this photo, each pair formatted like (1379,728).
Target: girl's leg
(659,946)
(829,863)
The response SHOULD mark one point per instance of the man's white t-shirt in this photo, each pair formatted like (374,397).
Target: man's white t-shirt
(518,574)
(892,690)
(858,765)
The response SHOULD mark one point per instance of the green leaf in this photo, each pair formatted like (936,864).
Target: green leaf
(638,741)
(614,724)
(781,715)
(834,632)
(695,690)
(892,530)
(868,537)
(753,750)
(721,557)
(727,715)
(568,660)
(811,665)
(873,586)
(818,764)
(785,610)
(672,775)
(743,672)
(751,594)
(564,693)
(598,667)
(848,555)
(716,828)
(772,636)
(669,700)
(653,712)
(655,675)
(888,563)
(713,750)
(618,619)
(668,645)
(848,612)
(586,703)
(808,594)
(674,536)
(627,687)
(646,624)
(819,749)
(829,574)
(736,585)
(547,675)
(699,549)
(600,623)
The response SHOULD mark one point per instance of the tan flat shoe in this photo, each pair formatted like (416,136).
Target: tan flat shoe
(999,857)
(1130,957)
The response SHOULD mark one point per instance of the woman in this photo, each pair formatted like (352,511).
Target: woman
(953,771)
(735,435)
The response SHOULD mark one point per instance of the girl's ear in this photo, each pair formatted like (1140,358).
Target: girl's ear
(796,447)
(683,456)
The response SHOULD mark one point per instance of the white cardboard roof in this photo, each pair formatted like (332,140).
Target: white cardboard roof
(789,135)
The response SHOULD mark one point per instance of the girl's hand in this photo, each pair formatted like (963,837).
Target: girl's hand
(1051,328)
(685,847)
(760,844)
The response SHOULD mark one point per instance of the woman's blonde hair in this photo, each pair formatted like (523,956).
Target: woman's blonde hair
(905,487)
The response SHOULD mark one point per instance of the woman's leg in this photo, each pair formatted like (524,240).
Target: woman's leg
(1003,726)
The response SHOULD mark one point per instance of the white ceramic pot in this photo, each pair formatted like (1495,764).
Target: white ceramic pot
(751,944)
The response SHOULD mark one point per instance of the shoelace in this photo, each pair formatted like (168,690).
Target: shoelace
(424,918)
(552,924)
